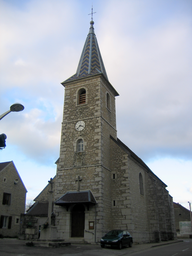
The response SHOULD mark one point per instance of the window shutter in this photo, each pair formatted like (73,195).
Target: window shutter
(1,221)
(10,222)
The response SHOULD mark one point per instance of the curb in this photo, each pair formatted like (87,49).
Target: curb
(166,243)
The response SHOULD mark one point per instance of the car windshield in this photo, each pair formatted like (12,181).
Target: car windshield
(114,233)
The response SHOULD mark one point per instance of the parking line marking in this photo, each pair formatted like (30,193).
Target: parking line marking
(185,249)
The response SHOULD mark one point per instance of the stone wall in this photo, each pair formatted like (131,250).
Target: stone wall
(138,201)
(130,210)
(160,210)
(146,212)
(181,214)
(107,169)
(92,165)
(11,183)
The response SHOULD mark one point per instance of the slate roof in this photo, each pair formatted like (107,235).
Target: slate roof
(179,206)
(76,197)
(36,198)
(90,62)
(39,209)
(3,165)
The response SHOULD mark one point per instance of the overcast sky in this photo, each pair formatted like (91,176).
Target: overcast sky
(146,46)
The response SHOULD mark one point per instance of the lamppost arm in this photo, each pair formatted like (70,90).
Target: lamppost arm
(4,114)
(14,108)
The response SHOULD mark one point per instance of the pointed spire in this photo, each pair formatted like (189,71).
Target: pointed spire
(90,62)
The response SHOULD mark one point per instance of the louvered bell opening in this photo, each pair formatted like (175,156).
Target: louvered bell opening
(82,97)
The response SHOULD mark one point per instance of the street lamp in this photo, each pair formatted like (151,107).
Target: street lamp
(14,108)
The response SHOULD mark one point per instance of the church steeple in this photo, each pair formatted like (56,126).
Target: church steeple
(90,62)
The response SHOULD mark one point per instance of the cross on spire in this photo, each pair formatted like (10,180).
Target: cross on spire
(92,13)
(79,179)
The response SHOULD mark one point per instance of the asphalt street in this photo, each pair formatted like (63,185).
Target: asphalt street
(176,249)
(10,247)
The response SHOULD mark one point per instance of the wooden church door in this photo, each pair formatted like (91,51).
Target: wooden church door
(77,221)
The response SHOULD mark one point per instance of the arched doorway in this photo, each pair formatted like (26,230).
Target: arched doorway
(77,221)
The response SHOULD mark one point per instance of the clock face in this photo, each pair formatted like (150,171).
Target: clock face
(80,125)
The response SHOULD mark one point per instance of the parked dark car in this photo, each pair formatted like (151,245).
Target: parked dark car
(118,238)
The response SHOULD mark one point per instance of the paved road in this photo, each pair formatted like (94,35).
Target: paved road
(177,249)
(10,247)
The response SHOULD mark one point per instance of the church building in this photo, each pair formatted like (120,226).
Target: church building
(100,183)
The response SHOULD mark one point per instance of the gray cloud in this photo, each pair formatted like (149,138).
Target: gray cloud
(153,76)
(149,63)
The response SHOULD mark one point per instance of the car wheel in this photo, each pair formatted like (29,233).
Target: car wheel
(102,245)
(130,244)
(120,246)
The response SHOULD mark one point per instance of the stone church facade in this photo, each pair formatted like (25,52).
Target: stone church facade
(100,183)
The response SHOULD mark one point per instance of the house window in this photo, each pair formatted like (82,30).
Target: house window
(16,220)
(114,176)
(6,199)
(80,145)
(141,184)
(5,222)
(82,96)
(108,100)
(114,203)
(10,222)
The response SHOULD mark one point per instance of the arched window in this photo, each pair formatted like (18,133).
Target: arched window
(80,145)
(82,96)
(141,184)
(108,100)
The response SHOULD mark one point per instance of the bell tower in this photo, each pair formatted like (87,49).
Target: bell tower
(83,168)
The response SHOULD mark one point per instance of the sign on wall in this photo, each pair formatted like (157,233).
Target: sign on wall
(185,227)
